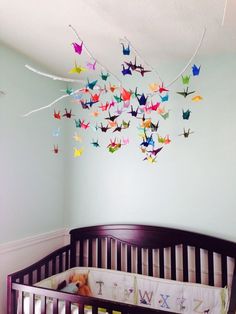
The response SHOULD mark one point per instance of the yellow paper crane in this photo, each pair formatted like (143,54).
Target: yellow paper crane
(77,69)
(78,152)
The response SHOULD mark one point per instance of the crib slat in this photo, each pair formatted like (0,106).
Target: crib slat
(46,269)
(118,255)
(81,253)
(99,250)
(150,262)
(20,306)
(161,262)
(129,258)
(198,265)
(32,303)
(55,306)
(139,260)
(60,262)
(108,252)
(68,308)
(185,263)
(173,262)
(94,310)
(90,253)
(67,259)
(31,278)
(210,268)
(224,271)
(54,266)
(43,304)
(39,273)
(81,308)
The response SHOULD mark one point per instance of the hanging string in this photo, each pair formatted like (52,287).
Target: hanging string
(52,76)
(190,60)
(92,57)
(141,58)
(225,8)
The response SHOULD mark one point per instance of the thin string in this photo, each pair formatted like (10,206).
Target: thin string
(92,57)
(190,60)
(141,58)
(223,18)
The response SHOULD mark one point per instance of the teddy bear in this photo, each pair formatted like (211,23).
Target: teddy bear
(81,281)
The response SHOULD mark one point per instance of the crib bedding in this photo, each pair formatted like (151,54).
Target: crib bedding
(149,292)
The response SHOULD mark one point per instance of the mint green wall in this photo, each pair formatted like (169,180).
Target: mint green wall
(31,177)
(192,186)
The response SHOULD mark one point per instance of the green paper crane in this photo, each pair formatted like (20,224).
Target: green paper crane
(186,79)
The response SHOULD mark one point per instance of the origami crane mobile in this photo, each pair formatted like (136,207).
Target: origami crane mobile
(56,132)
(186,79)
(133,112)
(154,127)
(125,50)
(68,114)
(104,128)
(111,118)
(197,98)
(91,66)
(196,70)
(126,71)
(55,149)
(77,137)
(113,146)
(152,160)
(134,66)
(92,84)
(104,77)
(186,114)
(185,93)
(78,47)
(77,69)
(118,99)
(186,133)
(57,115)
(78,152)
(95,143)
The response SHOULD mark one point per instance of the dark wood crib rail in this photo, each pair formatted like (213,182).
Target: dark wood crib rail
(69,298)
(55,262)
(82,252)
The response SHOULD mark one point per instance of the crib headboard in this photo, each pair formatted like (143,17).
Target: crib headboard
(156,251)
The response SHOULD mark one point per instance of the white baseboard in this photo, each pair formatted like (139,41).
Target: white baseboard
(33,240)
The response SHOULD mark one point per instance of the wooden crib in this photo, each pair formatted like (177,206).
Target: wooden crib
(149,250)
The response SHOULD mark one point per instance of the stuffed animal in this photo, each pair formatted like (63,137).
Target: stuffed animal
(81,281)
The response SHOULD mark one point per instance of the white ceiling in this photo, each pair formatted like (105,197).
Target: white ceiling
(160,30)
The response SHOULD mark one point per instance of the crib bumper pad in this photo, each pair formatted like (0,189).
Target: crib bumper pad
(149,292)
